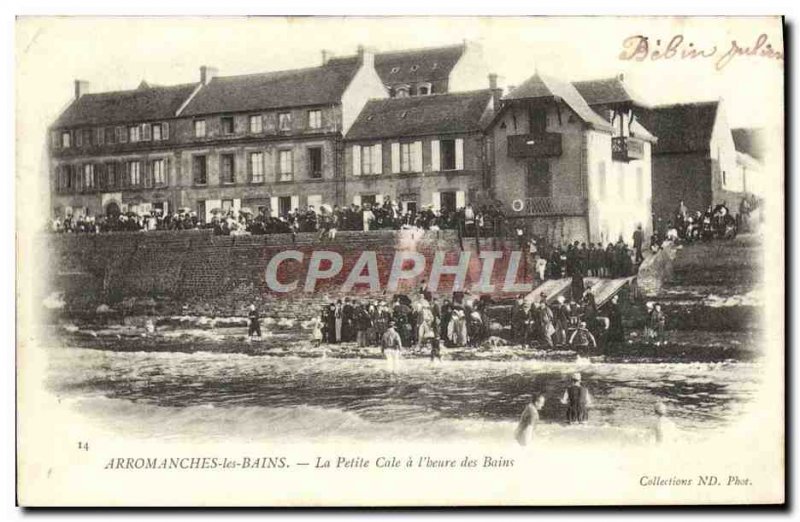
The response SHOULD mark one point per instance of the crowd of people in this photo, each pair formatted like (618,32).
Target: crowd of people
(418,322)
(715,222)
(584,259)
(326,220)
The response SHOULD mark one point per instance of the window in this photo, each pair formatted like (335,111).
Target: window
(256,124)
(134,173)
(401,92)
(395,70)
(66,140)
(227,125)
(133,134)
(88,176)
(199,128)
(448,154)
(111,175)
(111,135)
(87,137)
(228,170)
(147,132)
(159,172)
(285,121)
(405,157)
(315,162)
(371,158)
(285,158)
(199,169)
(157,132)
(424,89)
(538,121)
(724,179)
(257,167)
(448,201)
(315,119)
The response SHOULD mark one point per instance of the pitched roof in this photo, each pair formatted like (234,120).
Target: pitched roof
(421,115)
(413,65)
(607,91)
(143,104)
(680,128)
(294,88)
(548,87)
(750,142)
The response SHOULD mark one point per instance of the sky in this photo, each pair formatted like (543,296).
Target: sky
(117,53)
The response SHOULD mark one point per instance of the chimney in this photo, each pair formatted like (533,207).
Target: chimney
(497,92)
(326,55)
(366,56)
(81,88)
(206,73)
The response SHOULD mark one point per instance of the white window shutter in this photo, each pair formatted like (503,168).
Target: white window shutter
(378,200)
(395,157)
(357,200)
(437,201)
(417,157)
(461,199)
(237,204)
(164,131)
(273,207)
(435,162)
(356,160)
(295,202)
(377,158)
(459,154)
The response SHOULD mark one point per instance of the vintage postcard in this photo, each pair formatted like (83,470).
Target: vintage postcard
(400,261)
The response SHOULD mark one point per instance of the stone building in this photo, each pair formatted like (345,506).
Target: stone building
(270,140)
(117,151)
(420,151)
(695,159)
(570,171)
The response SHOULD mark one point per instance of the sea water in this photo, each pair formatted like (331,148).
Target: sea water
(225,396)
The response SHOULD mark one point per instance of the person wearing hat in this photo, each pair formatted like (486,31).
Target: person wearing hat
(560,321)
(391,344)
(578,400)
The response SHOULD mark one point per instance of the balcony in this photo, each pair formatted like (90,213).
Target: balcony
(552,206)
(624,148)
(543,145)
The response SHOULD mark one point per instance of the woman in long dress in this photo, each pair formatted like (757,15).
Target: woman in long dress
(458,327)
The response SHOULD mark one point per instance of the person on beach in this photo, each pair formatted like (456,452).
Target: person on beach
(316,332)
(391,344)
(338,321)
(664,429)
(616,332)
(582,339)
(578,401)
(254,322)
(648,321)
(529,420)
(560,321)
(658,322)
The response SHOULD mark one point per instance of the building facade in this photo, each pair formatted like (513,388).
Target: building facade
(271,142)
(424,151)
(695,160)
(566,172)
(432,70)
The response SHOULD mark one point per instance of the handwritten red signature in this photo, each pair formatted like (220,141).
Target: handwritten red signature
(639,48)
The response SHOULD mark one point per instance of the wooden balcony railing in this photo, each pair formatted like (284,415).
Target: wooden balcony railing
(541,145)
(552,206)
(624,148)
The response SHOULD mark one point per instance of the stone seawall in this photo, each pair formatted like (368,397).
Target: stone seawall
(197,273)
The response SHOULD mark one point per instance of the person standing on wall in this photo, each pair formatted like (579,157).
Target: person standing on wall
(638,241)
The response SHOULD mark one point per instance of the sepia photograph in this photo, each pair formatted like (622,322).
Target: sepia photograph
(400,261)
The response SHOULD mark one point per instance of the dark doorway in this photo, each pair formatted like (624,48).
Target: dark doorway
(539,181)
(448,201)
(112,210)
(284,205)
(538,123)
